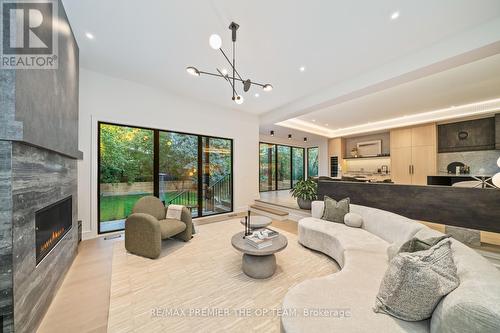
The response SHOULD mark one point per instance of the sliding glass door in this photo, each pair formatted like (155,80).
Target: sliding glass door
(297,165)
(125,172)
(284,168)
(280,166)
(267,167)
(312,161)
(178,169)
(216,175)
(186,169)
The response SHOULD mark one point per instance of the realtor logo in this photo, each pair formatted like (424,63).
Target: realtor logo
(28,34)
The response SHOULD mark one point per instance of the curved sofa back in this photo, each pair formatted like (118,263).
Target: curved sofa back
(389,226)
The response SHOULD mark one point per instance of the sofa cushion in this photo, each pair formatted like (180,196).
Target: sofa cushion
(351,292)
(415,282)
(171,227)
(353,220)
(413,245)
(334,210)
(150,205)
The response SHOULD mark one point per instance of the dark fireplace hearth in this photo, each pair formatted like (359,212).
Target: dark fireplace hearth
(51,224)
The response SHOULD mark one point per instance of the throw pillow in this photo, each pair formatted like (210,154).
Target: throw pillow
(413,245)
(335,211)
(414,283)
(353,220)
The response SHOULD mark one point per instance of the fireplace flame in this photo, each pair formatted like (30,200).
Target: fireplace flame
(53,238)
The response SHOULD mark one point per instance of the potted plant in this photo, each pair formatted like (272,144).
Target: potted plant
(305,191)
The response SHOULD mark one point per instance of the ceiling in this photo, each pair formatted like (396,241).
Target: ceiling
(474,82)
(152,42)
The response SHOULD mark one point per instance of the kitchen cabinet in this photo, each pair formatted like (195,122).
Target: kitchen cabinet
(413,154)
(470,135)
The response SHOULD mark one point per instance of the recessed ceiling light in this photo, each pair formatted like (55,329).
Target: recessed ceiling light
(314,120)
(326,124)
(302,68)
(89,35)
(256,95)
(395,15)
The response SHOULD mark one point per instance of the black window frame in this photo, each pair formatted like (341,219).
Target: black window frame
(156,164)
(275,147)
(307,160)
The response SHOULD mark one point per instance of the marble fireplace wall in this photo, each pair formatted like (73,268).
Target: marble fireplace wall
(39,178)
(38,166)
(6,300)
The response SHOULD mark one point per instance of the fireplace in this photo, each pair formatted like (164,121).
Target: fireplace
(51,224)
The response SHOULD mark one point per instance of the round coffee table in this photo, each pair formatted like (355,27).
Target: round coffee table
(257,221)
(258,263)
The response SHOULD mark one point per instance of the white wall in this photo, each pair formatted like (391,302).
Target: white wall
(103,98)
(322,144)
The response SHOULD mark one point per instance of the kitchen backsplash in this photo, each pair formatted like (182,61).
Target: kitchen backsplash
(476,160)
(366,165)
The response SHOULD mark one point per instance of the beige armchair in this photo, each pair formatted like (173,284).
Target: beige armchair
(147,226)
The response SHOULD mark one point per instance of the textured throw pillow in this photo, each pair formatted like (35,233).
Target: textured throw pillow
(353,220)
(415,282)
(413,245)
(335,211)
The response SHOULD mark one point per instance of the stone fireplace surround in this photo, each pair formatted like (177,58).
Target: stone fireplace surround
(38,167)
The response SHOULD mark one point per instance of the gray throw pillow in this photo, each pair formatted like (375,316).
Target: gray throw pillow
(415,282)
(335,211)
(413,245)
(353,220)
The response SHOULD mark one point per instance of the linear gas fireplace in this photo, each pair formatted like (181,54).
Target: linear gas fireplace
(51,224)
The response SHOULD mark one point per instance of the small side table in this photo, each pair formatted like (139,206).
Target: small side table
(258,263)
(258,222)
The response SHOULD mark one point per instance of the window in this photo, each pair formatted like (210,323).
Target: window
(187,169)
(125,172)
(280,167)
(267,167)
(216,178)
(297,165)
(284,167)
(312,161)
(178,170)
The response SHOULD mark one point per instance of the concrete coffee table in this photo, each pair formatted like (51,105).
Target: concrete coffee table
(257,221)
(258,263)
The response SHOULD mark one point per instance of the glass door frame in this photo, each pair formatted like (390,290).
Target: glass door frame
(275,147)
(307,158)
(156,167)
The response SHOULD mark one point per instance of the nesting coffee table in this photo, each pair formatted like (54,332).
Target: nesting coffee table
(258,263)
(257,221)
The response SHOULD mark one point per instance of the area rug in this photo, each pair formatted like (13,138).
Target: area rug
(199,286)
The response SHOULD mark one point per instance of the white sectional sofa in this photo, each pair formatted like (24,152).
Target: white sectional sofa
(362,255)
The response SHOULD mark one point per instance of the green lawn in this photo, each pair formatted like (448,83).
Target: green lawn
(118,207)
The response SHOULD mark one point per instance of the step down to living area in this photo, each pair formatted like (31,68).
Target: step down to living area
(276,212)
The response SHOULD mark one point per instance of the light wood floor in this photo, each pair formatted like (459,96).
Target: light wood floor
(169,294)
(82,303)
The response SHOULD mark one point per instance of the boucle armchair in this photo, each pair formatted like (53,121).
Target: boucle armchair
(147,226)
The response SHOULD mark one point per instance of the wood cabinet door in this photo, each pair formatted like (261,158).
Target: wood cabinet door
(423,160)
(424,135)
(401,137)
(400,165)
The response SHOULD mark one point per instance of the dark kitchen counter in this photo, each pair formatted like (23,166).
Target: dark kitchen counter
(448,179)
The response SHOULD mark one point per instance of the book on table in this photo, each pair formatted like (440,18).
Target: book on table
(258,243)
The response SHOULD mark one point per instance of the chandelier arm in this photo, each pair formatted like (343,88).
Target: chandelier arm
(230,78)
(229,61)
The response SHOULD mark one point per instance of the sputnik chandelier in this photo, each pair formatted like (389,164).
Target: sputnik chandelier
(215,42)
